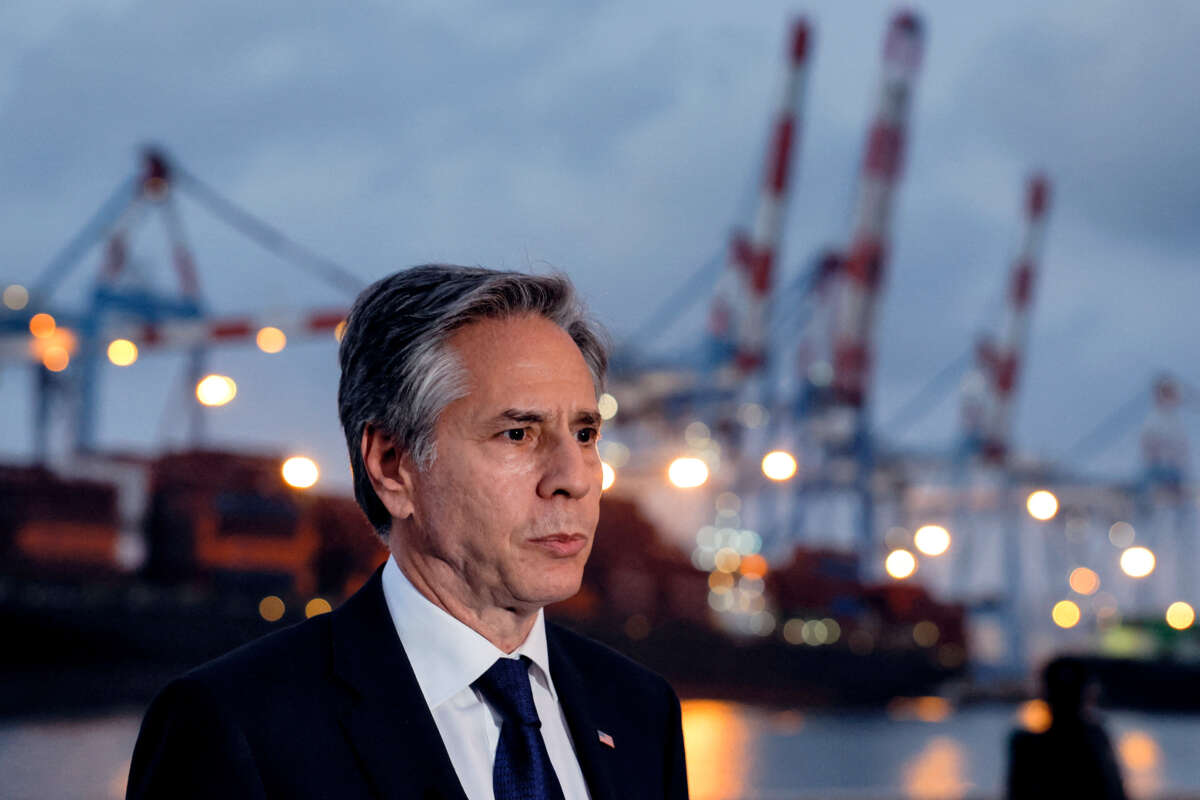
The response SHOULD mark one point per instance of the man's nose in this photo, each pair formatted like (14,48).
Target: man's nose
(569,469)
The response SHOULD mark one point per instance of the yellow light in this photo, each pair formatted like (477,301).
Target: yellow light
(793,631)
(610,476)
(216,390)
(607,405)
(271,608)
(1137,562)
(1042,505)
(318,605)
(339,330)
(1180,615)
(122,352)
(42,325)
(16,297)
(1065,614)
(56,358)
(753,566)
(687,472)
(1084,580)
(779,465)
(900,564)
(932,540)
(1034,716)
(300,472)
(727,559)
(270,340)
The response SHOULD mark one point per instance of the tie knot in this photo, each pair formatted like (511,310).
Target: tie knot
(506,686)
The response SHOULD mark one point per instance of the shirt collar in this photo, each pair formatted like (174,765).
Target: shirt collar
(446,655)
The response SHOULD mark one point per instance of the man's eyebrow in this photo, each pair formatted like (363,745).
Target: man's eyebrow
(523,416)
(588,418)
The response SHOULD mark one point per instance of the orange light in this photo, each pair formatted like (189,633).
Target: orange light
(339,331)
(609,476)
(42,325)
(1042,505)
(55,358)
(1084,580)
(687,473)
(270,339)
(932,540)
(1034,716)
(318,605)
(753,566)
(271,608)
(779,465)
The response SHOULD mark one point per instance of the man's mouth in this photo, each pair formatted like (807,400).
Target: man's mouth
(561,545)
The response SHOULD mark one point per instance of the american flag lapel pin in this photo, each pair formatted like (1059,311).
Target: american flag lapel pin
(605,739)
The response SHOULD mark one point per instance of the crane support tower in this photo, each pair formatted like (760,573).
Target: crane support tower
(752,257)
(863,266)
(1005,366)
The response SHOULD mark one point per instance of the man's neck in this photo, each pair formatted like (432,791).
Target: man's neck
(506,628)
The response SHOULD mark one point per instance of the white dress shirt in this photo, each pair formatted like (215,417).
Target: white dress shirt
(447,657)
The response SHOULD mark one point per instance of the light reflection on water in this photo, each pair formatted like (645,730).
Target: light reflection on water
(733,751)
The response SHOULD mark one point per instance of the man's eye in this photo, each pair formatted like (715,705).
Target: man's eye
(587,435)
(515,434)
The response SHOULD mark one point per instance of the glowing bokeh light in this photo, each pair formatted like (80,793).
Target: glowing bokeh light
(1034,716)
(42,325)
(1084,581)
(926,633)
(271,608)
(55,358)
(318,605)
(727,559)
(1042,505)
(1121,534)
(608,406)
(1065,614)
(122,352)
(697,434)
(779,465)
(609,476)
(300,472)
(270,339)
(687,472)
(339,331)
(717,743)
(216,390)
(16,297)
(1137,562)
(900,564)
(1180,615)
(753,566)
(932,540)
(720,582)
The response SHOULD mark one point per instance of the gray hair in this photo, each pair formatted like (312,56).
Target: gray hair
(398,374)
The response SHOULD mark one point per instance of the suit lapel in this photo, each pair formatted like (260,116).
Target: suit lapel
(594,760)
(382,709)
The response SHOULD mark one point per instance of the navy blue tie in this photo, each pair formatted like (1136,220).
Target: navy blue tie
(522,770)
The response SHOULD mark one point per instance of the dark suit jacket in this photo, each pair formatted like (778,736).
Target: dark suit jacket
(329,708)
(1068,760)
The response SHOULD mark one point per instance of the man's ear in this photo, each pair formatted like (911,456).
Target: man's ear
(390,471)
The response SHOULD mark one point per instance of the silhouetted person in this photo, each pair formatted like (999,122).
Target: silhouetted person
(1073,757)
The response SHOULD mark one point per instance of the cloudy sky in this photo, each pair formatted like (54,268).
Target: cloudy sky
(619,142)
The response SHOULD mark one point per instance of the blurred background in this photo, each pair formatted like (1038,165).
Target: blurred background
(902,302)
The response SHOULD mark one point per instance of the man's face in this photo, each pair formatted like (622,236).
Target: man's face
(511,501)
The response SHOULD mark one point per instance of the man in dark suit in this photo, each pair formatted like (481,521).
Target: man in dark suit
(468,398)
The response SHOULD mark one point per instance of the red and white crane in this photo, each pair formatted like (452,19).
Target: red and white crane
(862,268)
(740,308)
(1005,360)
